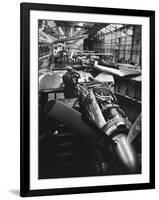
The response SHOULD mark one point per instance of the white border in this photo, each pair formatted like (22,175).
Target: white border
(35,183)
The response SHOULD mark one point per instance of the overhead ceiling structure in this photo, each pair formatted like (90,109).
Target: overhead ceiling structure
(72,28)
(121,28)
(61,30)
(95,28)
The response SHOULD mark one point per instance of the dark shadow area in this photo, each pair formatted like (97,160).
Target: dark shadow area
(15,192)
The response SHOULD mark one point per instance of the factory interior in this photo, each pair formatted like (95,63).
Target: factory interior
(90,76)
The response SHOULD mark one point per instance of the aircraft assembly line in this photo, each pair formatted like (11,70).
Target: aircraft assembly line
(90,80)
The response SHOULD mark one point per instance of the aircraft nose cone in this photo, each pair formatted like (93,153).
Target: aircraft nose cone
(126,154)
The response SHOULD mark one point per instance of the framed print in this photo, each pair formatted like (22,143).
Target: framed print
(87,99)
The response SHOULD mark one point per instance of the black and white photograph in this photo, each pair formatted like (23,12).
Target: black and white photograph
(87,99)
(90,77)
